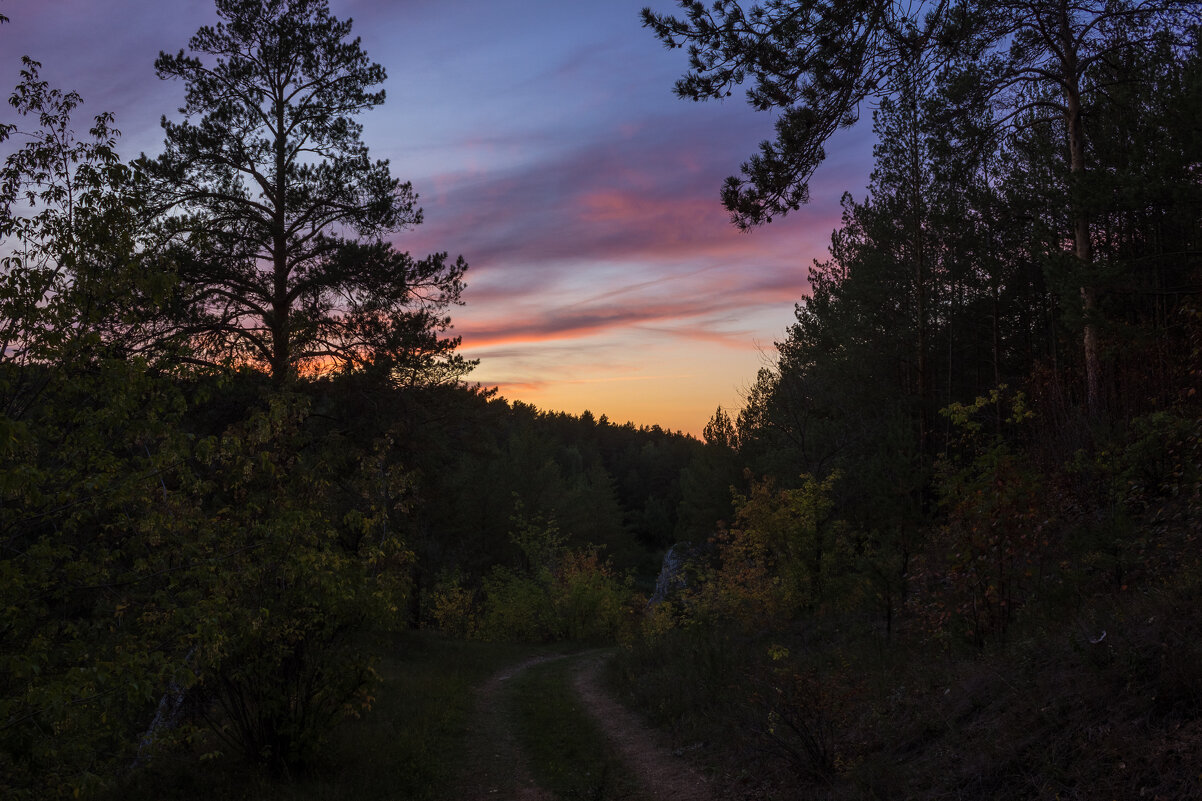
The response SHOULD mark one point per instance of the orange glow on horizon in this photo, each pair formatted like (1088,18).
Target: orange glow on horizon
(670,412)
(667,381)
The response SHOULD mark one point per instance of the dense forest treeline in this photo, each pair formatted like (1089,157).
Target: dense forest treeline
(939,355)
(948,546)
(963,559)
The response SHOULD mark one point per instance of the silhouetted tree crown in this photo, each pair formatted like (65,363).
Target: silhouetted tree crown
(281,211)
(815,62)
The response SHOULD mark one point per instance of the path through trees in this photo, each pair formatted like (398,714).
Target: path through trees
(495,764)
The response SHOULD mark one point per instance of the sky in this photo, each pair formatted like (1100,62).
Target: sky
(547,148)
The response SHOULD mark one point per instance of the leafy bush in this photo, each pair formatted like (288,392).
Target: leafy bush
(516,607)
(589,601)
(985,561)
(218,575)
(452,607)
(783,557)
(553,593)
(88,582)
(271,627)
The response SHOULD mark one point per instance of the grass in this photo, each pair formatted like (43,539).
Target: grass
(568,754)
(406,747)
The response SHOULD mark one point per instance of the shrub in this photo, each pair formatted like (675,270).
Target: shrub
(516,607)
(452,607)
(278,587)
(783,557)
(589,601)
(554,593)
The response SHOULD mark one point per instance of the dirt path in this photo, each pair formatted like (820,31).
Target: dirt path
(496,768)
(663,775)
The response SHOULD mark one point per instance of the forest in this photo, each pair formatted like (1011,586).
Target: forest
(947,548)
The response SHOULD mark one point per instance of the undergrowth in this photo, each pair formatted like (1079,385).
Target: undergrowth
(407,746)
(1106,705)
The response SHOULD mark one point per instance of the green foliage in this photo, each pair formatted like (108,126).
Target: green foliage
(517,602)
(188,563)
(452,607)
(1158,470)
(515,608)
(591,602)
(75,283)
(1033,238)
(270,629)
(783,558)
(1001,513)
(89,438)
(87,590)
(779,558)
(1146,486)
(554,593)
(139,559)
(189,559)
(792,528)
(194,553)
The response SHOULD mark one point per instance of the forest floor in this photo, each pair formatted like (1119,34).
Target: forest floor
(458,720)
(545,728)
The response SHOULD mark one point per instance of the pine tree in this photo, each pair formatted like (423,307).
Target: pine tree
(815,63)
(281,215)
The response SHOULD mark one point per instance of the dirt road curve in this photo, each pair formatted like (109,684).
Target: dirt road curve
(662,775)
(495,767)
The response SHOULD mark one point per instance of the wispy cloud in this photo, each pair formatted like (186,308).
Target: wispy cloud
(646,189)
(707,308)
(621,232)
(548,149)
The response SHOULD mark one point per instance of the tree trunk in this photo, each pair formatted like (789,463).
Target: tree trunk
(917,237)
(281,367)
(920,280)
(1082,246)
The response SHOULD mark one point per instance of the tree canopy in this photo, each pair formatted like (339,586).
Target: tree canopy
(813,61)
(816,63)
(282,216)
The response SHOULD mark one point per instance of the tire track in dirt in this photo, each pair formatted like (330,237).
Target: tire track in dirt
(662,775)
(494,766)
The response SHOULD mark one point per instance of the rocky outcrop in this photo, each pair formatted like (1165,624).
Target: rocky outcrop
(678,571)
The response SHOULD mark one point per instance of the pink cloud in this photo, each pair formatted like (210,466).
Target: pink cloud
(512,388)
(711,310)
(613,199)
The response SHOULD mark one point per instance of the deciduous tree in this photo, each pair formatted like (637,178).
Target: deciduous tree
(74,279)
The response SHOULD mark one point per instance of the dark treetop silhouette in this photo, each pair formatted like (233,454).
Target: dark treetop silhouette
(281,214)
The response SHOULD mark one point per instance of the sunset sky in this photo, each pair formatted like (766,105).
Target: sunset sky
(548,148)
